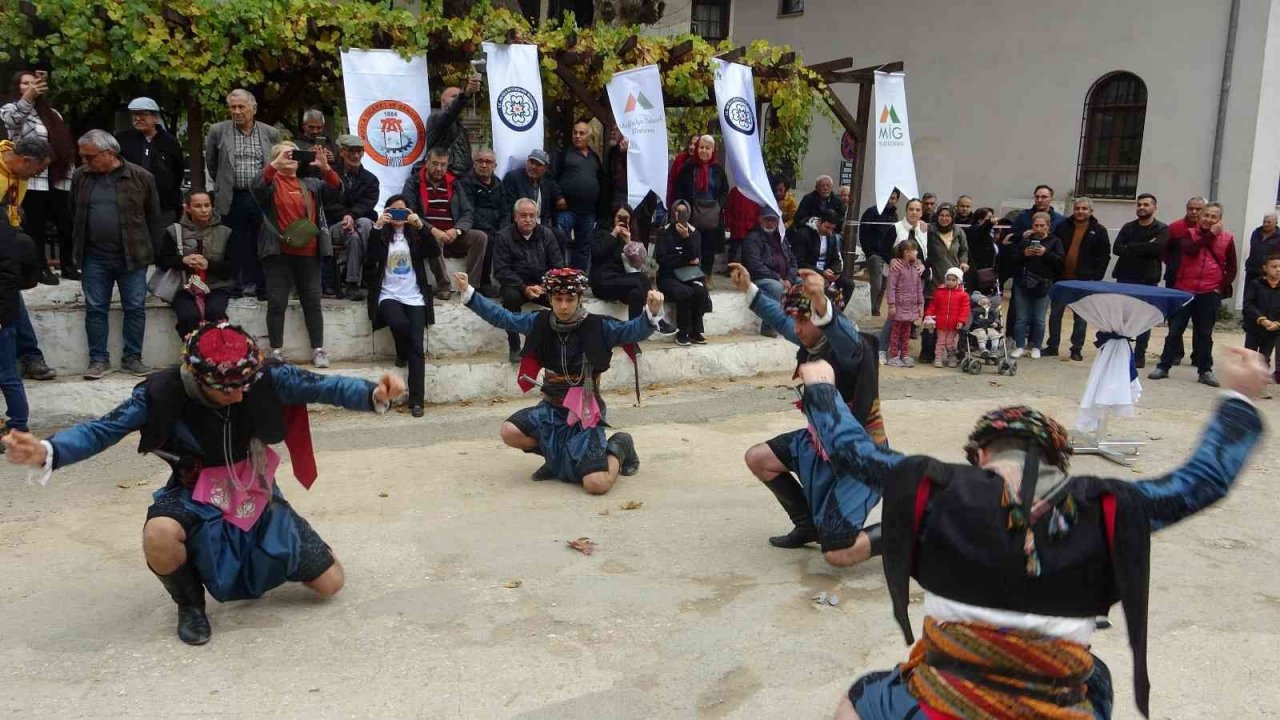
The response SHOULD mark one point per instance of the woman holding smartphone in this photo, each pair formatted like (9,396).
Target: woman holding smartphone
(680,275)
(293,238)
(617,265)
(399,288)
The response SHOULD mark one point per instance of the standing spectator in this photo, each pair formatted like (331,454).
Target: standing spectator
(877,234)
(580,174)
(445,128)
(822,198)
(1037,260)
(1179,235)
(531,182)
(235,151)
(1262,315)
(769,261)
(351,210)
(526,251)
(617,264)
(906,303)
(677,164)
(1263,243)
(786,199)
(982,273)
(400,291)
(20,268)
(197,245)
(949,309)
(1206,269)
(929,203)
(704,185)
(820,249)
(116,227)
(947,248)
(491,211)
(294,237)
(20,161)
(313,125)
(964,212)
(615,172)
(678,249)
(1137,249)
(151,147)
(1087,252)
(910,227)
(740,215)
(1042,203)
(29,115)
(444,205)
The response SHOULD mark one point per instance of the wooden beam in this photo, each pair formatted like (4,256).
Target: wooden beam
(854,211)
(733,55)
(832,65)
(786,59)
(863,75)
(627,46)
(673,57)
(571,81)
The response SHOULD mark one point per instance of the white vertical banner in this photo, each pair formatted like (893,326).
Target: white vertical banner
(515,103)
(388,102)
(638,109)
(736,106)
(895,163)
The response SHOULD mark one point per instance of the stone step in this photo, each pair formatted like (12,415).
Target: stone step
(448,380)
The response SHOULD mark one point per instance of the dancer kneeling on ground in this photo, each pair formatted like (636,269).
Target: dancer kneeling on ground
(1017,557)
(575,347)
(826,505)
(221,520)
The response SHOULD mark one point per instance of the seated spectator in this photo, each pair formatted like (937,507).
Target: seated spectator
(740,216)
(617,265)
(151,147)
(400,290)
(769,260)
(293,237)
(197,245)
(704,185)
(820,249)
(438,198)
(351,210)
(526,251)
(877,235)
(786,199)
(491,210)
(1037,261)
(1263,243)
(680,275)
(845,194)
(822,198)
(532,182)
(1086,254)
(579,172)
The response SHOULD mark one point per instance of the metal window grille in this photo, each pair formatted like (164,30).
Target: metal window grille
(1111,137)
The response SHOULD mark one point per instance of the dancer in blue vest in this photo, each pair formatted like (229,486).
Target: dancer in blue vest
(575,348)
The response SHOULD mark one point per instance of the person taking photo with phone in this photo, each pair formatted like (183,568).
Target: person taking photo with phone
(680,274)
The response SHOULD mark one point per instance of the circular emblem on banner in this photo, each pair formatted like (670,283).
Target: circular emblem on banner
(848,148)
(740,116)
(517,108)
(393,133)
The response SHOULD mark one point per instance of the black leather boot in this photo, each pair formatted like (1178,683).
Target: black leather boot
(186,590)
(623,447)
(877,540)
(791,497)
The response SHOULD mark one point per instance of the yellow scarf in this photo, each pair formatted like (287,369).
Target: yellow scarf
(12,188)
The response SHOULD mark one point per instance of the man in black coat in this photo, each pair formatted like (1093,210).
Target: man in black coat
(821,251)
(351,210)
(1087,252)
(148,145)
(877,235)
(491,209)
(821,199)
(525,251)
(1137,250)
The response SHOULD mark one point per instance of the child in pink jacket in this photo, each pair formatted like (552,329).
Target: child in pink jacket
(905,297)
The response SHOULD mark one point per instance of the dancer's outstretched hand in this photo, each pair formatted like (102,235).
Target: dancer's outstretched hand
(460,278)
(23,448)
(389,388)
(655,300)
(817,372)
(1243,371)
(740,277)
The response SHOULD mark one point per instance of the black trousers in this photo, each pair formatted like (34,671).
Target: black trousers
(1201,313)
(712,243)
(189,315)
(408,324)
(690,300)
(513,299)
(38,208)
(283,273)
(631,289)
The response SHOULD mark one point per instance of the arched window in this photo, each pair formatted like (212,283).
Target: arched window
(1111,137)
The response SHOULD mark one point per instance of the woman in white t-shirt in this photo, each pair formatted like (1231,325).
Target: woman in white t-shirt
(400,289)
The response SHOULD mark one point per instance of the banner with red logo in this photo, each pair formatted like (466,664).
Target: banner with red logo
(388,103)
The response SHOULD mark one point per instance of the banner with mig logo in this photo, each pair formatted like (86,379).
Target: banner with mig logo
(895,164)
(388,103)
(636,99)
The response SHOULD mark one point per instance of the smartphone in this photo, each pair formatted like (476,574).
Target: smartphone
(682,215)
(43,75)
(1035,243)
(398,214)
(320,140)
(304,157)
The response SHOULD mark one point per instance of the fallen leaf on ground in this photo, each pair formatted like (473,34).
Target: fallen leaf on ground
(584,545)
(465,403)
(140,483)
(512,584)
(124,485)
(382,493)
(497,401)
(633,505)
(603,512)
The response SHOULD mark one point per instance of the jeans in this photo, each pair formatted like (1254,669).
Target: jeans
(1031,312)
(1201,313)
(580,225)
(770,288)
(1078,327)
(408,323)
(283,273)
(28,346)
(15,396)
(99,274)
(244,219)
(875,276)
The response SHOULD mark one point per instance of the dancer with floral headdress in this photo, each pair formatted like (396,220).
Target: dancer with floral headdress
(221,522)
(575,348)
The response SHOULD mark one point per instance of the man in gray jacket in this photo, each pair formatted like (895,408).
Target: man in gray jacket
(235,152)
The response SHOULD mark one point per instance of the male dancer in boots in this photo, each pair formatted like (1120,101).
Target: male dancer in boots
(825,505)
(221,522)
(575,348)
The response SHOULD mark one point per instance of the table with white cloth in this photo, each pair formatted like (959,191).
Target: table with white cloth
(1119,312)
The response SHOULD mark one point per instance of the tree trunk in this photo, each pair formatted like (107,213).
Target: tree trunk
(195,141)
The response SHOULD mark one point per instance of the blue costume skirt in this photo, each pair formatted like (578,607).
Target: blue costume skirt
(571,451)
(237,565)
(839,505)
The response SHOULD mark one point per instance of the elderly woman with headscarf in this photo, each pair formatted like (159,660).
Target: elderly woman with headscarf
(704,184)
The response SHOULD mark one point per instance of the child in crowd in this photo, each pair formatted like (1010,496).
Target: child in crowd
(984,322)
(905,297)
(1262,315)
(949,310)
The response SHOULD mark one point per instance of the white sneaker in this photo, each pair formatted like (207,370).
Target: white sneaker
(277,355)
(883,357)
(1035,353)
(1017,353)
(320,358)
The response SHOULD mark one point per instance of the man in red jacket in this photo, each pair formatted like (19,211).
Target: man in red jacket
(1206,268)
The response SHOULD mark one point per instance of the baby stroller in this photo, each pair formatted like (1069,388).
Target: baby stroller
(984,339)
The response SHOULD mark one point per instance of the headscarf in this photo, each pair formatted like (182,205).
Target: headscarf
(702,171)
(1022,421)
(64,151)
(797,305)
(222,357)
